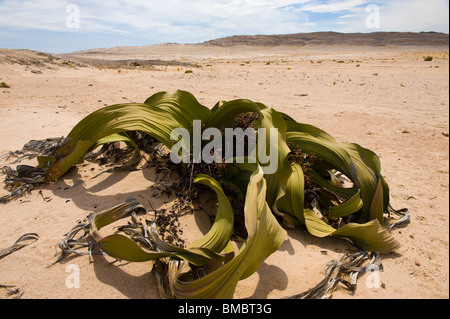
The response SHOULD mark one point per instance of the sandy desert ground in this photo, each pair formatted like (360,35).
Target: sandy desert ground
(387,99)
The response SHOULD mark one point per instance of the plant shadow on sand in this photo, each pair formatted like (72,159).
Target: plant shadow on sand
(132,286)
(93,187)
(89,196)
(113,272)
(88,190)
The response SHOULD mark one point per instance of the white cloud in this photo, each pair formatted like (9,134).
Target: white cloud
(167,20)
(140,15)
(41,14)
(332,6)
(346,16)
(401,16)
(198,20)
(415,15)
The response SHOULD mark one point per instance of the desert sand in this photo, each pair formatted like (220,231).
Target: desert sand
(387,99)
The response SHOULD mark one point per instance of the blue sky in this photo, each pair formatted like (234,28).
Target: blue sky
(68,25)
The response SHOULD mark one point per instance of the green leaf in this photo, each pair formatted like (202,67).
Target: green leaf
(341,191)
(376,208)
(225,113)
(264,237)
(368,171)
(158,117)
(292,203)
(181,105)
(276,182)
(361,165)
(118,137)
(348,207)
(220,233)
(122,247)
(198,253)
(371,236)
(239,175)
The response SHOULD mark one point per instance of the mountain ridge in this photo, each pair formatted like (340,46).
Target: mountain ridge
(336,38)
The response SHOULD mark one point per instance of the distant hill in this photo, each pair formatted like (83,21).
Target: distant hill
(335,38)
(176,54)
